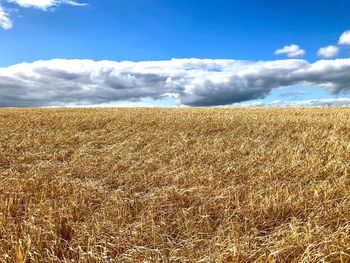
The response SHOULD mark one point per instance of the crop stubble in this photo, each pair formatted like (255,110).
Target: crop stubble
(175,185)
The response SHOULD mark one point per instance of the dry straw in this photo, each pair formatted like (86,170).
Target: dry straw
(175,185)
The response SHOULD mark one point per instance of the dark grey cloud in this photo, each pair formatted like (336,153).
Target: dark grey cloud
(193,82)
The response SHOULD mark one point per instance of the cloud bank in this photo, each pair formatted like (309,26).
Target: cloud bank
(337,102)
(193,82)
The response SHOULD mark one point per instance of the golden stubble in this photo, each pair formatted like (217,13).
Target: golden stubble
(175,185)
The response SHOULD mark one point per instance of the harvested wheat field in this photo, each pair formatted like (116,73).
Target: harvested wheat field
(175,185)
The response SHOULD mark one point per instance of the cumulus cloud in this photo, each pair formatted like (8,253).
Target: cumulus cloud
(291,51)
(5,21)
(345,38)
(328,52)
(193,82)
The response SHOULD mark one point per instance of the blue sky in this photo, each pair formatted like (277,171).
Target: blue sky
(152,30)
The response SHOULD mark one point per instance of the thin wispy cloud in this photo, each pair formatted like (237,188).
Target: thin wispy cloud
(293,94)
(291,51)
(44,5)
(193,82)
(336,102)
(5,21)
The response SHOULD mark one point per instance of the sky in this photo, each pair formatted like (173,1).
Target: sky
(174,53)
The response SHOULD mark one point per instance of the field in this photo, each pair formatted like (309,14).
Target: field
(175,185)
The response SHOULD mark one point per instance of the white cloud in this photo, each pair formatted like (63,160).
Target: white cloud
(40,4)
(74,3)
(328,52)
(345,38)
(291,51)
(193,82)
(44,4)
(5,21)
(336,102)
